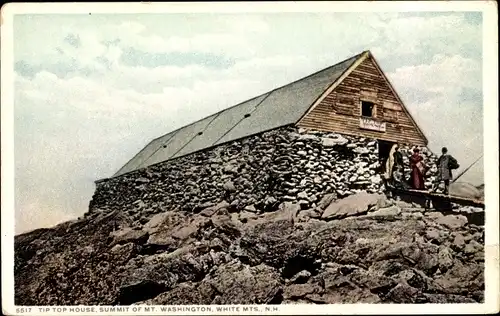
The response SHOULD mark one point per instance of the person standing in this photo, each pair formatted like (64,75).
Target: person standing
(394,163)
(398,159)
(389,165)
(445,164)
(418,170)
(394,160)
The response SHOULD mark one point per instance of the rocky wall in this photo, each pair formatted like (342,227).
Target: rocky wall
(255,174)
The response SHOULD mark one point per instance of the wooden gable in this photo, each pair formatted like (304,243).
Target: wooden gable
(340,107)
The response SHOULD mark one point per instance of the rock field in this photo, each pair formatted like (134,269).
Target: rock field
(286,217)
(365,248)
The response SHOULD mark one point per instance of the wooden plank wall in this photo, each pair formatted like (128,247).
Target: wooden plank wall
(341,109)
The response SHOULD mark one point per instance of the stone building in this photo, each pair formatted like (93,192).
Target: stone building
(352,97)
(329,132)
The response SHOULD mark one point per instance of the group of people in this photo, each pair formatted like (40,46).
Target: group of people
(394,170)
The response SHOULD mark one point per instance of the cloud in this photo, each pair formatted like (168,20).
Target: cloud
(73,40)
(134,57)
(446,99)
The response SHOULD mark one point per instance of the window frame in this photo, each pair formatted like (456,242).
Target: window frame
(373,109)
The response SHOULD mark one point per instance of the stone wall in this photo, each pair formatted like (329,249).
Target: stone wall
(256,174)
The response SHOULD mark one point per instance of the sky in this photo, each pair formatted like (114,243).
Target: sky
(91,90)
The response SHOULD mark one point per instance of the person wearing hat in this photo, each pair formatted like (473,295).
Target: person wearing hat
(445,164)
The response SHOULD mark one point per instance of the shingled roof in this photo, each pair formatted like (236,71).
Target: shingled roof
(280,107)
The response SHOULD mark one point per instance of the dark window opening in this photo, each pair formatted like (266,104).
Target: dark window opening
(367,108)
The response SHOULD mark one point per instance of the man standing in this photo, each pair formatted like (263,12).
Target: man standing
(445,164)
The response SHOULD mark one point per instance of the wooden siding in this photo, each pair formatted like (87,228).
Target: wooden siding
(340,111)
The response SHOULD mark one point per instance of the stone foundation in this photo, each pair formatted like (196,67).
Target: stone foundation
(256,174)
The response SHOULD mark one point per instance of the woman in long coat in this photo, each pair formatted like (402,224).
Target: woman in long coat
(417,170)
(395,160)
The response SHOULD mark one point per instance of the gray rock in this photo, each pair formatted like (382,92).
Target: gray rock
(473,247)
(305,215)
(333,141)
(376,179)
(445,258)
(389,213)
(301,277)
(153,224)
(297,291)
(308,137)
(326,200)
(229,186)
(245,216)
(234,282)
(141,180)
(357,204)
(433,234)
(361,150)
(459,241)
(230,169)
(302,195)
(270,200)
(434,215)
(403,294)
(127,235)
(250,208)
(452,221)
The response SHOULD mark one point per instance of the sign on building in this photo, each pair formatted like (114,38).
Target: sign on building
(366,123)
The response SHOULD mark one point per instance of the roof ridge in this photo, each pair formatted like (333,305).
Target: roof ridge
(260,95)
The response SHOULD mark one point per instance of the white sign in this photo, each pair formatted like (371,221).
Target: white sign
(366,123)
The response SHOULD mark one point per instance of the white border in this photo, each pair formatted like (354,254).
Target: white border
(490,88)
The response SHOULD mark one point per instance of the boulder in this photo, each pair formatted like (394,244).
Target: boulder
(459,241)
(389,213)
(127,235)
(356,204)
(236,283)
(452,221)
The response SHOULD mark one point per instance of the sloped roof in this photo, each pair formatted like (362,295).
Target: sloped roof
(279,107)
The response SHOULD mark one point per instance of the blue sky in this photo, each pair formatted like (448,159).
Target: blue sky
(92,89)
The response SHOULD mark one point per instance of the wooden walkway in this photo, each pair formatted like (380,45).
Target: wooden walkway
(443,203)
(438,197)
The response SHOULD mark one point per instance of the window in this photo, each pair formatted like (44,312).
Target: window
(367,108)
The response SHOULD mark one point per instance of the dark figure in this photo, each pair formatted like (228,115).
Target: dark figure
(398,159)
(418,170)
(445,164)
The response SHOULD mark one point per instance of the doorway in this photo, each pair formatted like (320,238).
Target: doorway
(384,148)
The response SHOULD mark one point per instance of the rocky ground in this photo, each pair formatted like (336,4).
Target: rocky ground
(365,248)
